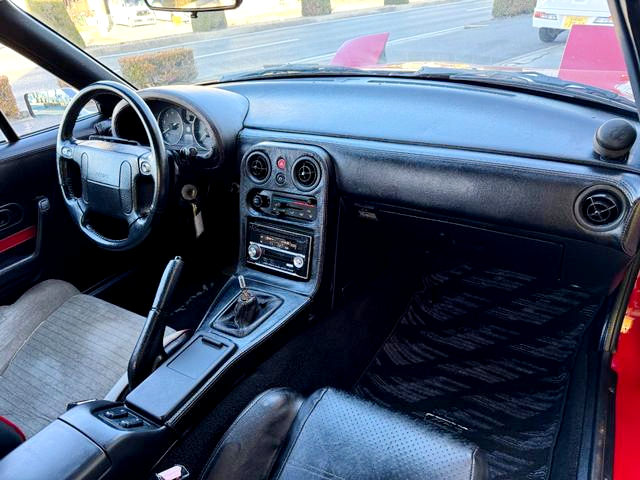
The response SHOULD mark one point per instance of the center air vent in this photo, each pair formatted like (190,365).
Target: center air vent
(600,208)
(306,173)
(258,166)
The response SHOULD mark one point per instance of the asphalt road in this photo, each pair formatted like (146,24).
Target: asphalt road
(459,31)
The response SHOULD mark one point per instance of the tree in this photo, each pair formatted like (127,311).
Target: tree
(316,7)
(54,14)
(207,21)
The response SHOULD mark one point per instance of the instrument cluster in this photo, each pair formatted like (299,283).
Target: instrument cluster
(182,128)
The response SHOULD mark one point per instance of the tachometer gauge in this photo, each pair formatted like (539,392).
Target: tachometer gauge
(171,125)
(203,137)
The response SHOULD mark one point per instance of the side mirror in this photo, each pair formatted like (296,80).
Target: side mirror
(48,102)
(193,6)
(53,102)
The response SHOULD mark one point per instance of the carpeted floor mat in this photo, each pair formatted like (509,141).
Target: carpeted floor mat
(487,353)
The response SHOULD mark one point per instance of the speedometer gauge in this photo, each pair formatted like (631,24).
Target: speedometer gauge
(203,137)
(171,125)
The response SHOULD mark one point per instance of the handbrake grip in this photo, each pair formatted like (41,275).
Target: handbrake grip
(149,352)
(168,284)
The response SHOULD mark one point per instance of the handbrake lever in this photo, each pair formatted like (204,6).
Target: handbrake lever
(149,352)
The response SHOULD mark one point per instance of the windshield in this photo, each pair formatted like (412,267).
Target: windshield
(570,40)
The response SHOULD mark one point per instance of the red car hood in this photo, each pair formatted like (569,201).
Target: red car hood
(592,56)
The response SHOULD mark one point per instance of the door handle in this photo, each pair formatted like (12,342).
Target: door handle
(5,218)
(10,215)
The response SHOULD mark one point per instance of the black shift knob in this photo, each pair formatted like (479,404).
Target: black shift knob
(246,308)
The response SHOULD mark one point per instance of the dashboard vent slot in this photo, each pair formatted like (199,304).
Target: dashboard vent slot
(306,173)
(258,166)
(601,208)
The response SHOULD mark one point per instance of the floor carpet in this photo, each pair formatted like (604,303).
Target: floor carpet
(486,353)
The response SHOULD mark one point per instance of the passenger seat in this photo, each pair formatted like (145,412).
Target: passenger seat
(332,434)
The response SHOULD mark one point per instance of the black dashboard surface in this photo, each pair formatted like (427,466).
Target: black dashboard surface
(499,158)
(472,153)
(421,112)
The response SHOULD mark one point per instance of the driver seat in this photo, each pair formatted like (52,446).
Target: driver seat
(59,346)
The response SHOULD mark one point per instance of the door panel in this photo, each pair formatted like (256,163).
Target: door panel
(27,181)
(39,239)
(45,243)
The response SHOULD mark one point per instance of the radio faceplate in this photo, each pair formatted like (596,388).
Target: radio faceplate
(277,249)
(284,205)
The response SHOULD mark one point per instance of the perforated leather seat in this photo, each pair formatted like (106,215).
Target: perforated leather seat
(334,435)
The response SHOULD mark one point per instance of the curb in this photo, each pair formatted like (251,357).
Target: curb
(174,40)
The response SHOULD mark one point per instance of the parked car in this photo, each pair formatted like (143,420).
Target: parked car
(131,13)
(552,17)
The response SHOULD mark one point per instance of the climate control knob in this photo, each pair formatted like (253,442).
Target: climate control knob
(257,201)
(254,251)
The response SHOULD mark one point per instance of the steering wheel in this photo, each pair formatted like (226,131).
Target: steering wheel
(122,182)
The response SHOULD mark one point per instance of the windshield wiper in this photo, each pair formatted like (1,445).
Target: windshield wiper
(528,80)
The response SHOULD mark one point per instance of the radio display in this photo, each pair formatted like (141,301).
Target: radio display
(278,242)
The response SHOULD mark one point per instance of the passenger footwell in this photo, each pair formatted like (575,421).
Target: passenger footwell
(487,353)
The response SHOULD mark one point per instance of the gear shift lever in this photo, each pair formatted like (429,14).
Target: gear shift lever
(246,307)
(149,351)
(249,310)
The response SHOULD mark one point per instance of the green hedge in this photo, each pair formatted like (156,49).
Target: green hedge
(54,14)
(207,21)
(177,65)
(312,8)
(509,8)
(8,104)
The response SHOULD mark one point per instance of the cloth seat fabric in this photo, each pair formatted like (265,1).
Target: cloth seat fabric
(58,346)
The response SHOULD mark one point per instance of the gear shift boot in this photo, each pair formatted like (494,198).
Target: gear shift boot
(249,309)
(246,309)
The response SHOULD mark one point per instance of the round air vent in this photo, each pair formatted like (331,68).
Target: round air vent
(306,173)
(600,208)
(258,166)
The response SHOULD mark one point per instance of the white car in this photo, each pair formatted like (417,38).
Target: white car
(551,17)
(131,13)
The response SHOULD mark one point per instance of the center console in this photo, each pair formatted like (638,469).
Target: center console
(284,196)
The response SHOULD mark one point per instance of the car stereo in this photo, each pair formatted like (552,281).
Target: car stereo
(280,250)
(285,205)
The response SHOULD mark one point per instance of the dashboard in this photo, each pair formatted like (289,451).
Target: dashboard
(485,157)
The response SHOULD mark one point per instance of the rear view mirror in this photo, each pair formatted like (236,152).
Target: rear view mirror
(192,5)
